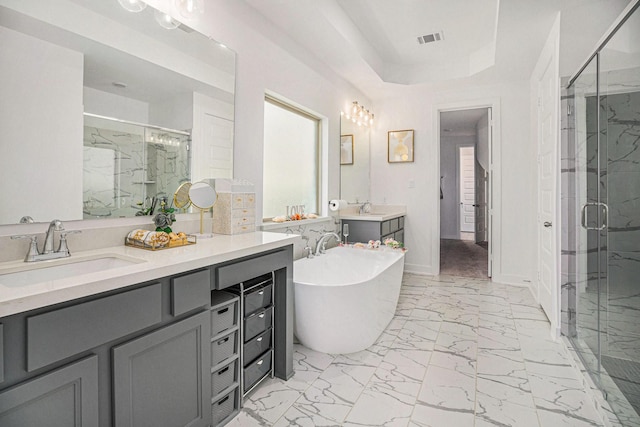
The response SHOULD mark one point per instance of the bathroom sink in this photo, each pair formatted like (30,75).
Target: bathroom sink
(45,271)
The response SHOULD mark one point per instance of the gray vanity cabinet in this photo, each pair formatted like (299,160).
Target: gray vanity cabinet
(162,379)
(65,397)
(363,231)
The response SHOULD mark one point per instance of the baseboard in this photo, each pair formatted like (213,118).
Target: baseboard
(511,280)
(421,269)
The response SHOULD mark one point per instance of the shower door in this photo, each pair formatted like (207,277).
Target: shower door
(606,111)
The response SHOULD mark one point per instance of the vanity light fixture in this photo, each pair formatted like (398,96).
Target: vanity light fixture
(133,5)
(358,114)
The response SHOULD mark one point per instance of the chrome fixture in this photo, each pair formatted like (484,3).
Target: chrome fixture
(365,208)
(47,249)
(309,251)
(322,243)
(358,114)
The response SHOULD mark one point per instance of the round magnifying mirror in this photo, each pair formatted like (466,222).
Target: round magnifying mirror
(202,196)
(181,196)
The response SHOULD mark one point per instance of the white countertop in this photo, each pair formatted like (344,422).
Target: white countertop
(372,216)
(153,265)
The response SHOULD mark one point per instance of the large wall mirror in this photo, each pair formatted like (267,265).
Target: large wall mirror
(103,110)
(355,162)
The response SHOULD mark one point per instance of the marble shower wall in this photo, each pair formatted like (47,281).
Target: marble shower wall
(622,181)
(126,164)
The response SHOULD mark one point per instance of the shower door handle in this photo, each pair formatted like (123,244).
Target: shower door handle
(605,215)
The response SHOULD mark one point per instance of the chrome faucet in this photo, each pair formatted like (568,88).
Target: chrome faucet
(55,225)
(365,208)
(47,250)
(322,243)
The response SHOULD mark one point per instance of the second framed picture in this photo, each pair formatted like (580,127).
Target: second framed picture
(400,146)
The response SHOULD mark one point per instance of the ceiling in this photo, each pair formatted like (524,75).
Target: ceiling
(373,43)
(461,121)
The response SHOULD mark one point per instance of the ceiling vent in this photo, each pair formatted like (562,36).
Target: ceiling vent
(429,38)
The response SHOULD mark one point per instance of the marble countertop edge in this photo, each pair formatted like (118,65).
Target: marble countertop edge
(154,265)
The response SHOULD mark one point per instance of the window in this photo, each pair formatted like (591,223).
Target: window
(291,159)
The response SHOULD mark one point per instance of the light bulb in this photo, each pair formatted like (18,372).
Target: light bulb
(189,8)
(355,107)
(133,5)
(165,21)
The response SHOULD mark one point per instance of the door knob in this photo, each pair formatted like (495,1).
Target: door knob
(547,224)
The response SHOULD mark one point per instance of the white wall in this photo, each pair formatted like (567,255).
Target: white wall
(449,207)
(50,77)
(514,245)
(482,132)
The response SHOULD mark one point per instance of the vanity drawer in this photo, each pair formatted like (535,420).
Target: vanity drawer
(256,346)
(401,222)
(223,318)
(394,224)
(257,323)
(256,370)
(190,291)
(1,353)
(244,213)
(224,406)
(68,331)
(223,348)
(223,378)
(257,298)
(385,227)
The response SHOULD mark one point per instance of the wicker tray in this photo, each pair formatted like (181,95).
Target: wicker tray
(190,239)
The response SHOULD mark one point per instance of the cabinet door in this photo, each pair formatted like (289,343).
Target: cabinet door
(66,397)
(163,379)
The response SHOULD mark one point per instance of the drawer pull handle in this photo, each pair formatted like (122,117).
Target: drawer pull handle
(223,340)
(261,292)
(224,310)
(259,339)
(223,400)
(261,315)
(260,362)
(223,370)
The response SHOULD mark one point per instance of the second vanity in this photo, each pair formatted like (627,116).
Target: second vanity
(380,223)
(150,342)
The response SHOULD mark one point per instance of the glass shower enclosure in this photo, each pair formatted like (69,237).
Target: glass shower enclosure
(601,199)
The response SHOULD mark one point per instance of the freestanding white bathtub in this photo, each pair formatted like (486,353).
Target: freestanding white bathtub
(345,298)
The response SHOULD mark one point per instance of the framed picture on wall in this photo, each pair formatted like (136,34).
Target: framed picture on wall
(346,149)
(400,146)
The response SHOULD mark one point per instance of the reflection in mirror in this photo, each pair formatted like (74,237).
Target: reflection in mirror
(354,168)
(69,61)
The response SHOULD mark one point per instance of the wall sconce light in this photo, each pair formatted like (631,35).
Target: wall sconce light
(358,114)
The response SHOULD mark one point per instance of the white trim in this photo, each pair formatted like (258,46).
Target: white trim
(420,269)
(495,177)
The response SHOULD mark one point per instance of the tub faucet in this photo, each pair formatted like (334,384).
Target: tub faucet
(320,247)
(308,251)
(365,208)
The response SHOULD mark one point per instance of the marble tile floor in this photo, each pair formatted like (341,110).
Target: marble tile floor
(459,352)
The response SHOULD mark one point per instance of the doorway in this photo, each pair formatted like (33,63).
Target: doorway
(464,192)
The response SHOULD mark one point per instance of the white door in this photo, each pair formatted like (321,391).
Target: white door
(467,184)
(481,203)
(547,162)
(213,153)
